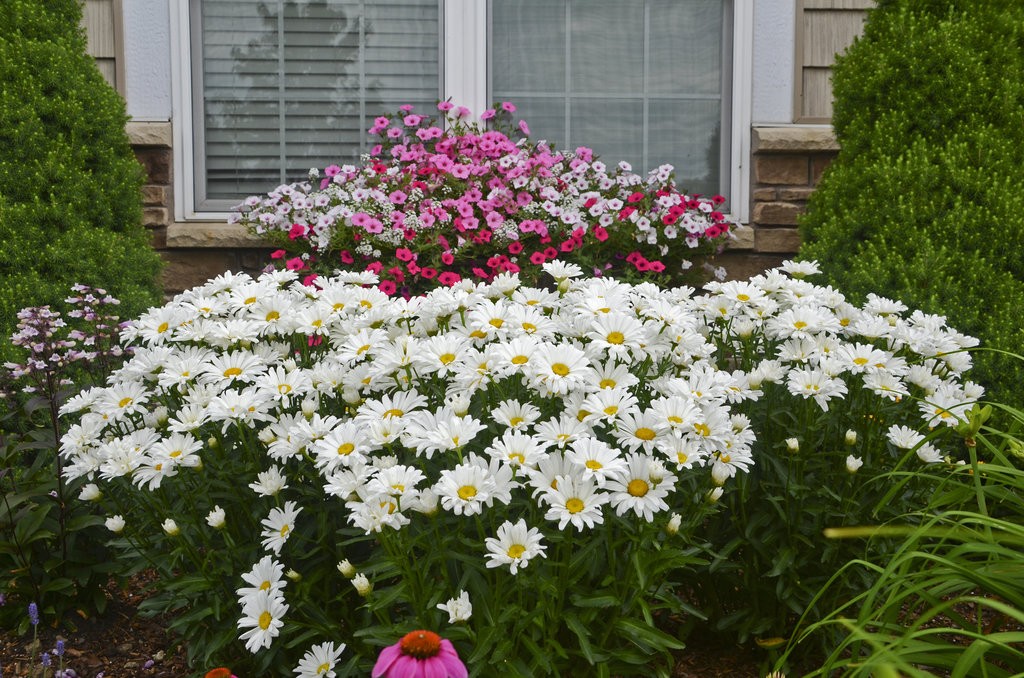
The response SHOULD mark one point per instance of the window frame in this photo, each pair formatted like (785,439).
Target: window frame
(463,69)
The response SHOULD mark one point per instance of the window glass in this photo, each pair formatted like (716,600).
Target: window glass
(289,85)
(636,80)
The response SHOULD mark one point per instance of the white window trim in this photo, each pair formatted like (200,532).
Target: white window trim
(465,82)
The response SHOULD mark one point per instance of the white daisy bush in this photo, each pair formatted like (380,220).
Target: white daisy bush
(542,475)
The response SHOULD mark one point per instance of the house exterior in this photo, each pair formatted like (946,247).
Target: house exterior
(232,97)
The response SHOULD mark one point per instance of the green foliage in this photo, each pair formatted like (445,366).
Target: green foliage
(950,599)
(70,202)
(925,202)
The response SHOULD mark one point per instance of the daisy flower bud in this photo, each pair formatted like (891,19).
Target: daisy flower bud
(714,495)
(674,521)
(347,569)
(793,445)
(853,463)
(362,585)
(115,524)
(171,527)
(851,437)
(216,518)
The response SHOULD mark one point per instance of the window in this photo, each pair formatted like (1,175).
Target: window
(279,86)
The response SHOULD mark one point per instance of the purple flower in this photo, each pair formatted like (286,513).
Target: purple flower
(33,614)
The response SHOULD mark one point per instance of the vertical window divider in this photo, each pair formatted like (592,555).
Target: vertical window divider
(568,74)
(282,122)
(644,153)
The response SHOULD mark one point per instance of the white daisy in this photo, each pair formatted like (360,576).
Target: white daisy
(516,545)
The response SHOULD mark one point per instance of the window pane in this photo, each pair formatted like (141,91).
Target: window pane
(293,84)
(636,80)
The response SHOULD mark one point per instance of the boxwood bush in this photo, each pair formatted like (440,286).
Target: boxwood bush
(925,202)
(70,187)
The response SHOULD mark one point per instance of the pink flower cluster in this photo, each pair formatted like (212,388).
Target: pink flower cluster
(437,201)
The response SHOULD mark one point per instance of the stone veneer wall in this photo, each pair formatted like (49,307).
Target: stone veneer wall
(787,163)
(192,252)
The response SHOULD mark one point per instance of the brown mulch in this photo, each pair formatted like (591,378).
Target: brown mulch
(122,644)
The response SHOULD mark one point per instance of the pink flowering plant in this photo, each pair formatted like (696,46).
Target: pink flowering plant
(436,201)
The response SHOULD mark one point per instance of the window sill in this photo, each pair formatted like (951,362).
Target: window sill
(211,235)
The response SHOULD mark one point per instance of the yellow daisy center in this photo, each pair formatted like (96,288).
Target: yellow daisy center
(447,358)
(516,551)
(496,322)
(393,412)
(561,369)
(516,421)
(467,492)
(273,315)
(265,585)
(860,361)
(607,383)
(345,449)
(615,338)
(163,328)
(520,360)
(644,433)
(574,505)
(232,371)
(124,402)
(529,327)
(702,429)
(594,465)
(637,487)
(799,324)
(265,619)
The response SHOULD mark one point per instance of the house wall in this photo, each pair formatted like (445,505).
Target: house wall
(791,143)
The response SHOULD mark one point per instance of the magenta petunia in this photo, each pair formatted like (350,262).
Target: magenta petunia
(417,654)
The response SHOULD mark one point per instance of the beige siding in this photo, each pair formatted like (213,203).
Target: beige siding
(824,28)
(101,21)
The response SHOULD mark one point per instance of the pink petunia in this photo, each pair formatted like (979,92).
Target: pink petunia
(387,287)
(488,114)
(404,254)
(297,231)
(448,278)
(346,257)
(524,128)
(295,264)
(445,106)
(447,258)
(508,106)
(600,233)
(428,273)
(278,254)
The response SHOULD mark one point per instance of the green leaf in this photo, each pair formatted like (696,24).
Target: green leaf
(647,637)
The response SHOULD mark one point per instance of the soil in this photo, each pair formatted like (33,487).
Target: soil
(123,644)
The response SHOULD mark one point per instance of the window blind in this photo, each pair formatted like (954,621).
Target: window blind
(286,85)
(637,80)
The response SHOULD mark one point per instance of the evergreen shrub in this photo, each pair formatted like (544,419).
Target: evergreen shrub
(70,187)
(925,202)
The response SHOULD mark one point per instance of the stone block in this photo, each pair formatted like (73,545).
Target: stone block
(781,169)
(155,196)
(185,269)
(154,216)
(794,139)
(763,194)
(211,234)
(818,166)
(149,134)
(743,265)
(156,162)
(776,240)
(795,194)
(158,236)
(744,238)
(776,214)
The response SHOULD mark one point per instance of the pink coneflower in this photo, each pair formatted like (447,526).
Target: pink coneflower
(420,653)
